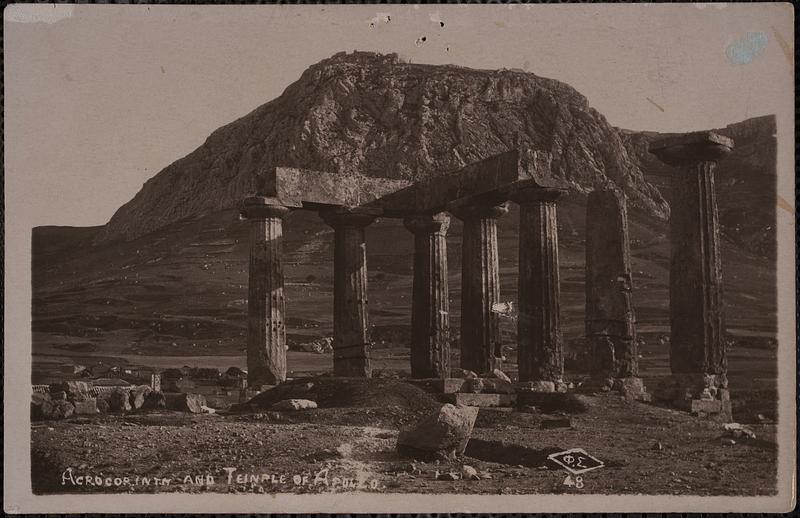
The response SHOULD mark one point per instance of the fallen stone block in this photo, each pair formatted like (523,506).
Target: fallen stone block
(154,400)
(102,405)
(480,400)
(739,431)
(497,386)
(631,388)
(294,404)
(500,375)
(74,390)
(42,407)
(63,409)
(119,401)
(185,402)
(536,386)
(469,473)
(463,374)
(561,422)
(442,434)
(440,385)
(86,407)
(472,386)
(138,396)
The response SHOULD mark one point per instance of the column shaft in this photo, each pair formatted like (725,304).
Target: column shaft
(351,342)
(696,319)
(430,309)
(610,328)
(266,328)
(480,289)
(540,354)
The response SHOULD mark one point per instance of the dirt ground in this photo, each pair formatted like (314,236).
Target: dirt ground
(350,446)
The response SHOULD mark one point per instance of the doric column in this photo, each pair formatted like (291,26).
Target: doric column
(480,287)
(609,313)
(430,307)
(610,322)
(266,324)
(539,346)
(697,344)
(351,343)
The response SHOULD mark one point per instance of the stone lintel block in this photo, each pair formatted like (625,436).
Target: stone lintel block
(527,192)
(265,207)
(436,194)
(480,400)
(348,218)
(692,147)
(312,189)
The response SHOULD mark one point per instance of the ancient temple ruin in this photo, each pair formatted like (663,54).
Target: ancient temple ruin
(478,195)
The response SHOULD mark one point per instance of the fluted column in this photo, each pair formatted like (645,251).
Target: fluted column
(480,287)
(430,307)
(610,327)
(539,345)
(266,325)
(697,345)
(351,343)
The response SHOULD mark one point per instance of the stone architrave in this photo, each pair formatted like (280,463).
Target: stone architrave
(480,286)
(351,343)
(266,325)
(539,343)
(697,344)
(430,308)
(610,323)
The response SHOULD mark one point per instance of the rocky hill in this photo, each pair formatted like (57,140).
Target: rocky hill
(376,115)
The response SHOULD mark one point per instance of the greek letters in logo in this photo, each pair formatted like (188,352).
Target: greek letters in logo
(576,461)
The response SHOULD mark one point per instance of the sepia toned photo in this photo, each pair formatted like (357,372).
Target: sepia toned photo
(399,258)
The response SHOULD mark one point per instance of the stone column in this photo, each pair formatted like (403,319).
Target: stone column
(697,343)
(480,287)
(266,326)
(430,308)
(351,343)
(610,322)
(539,346)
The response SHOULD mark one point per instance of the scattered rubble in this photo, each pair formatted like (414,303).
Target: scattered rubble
(185,402)
(561,422)
(738,431)
(294,404)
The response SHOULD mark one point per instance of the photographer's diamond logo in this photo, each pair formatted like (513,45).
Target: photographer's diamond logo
(576,461)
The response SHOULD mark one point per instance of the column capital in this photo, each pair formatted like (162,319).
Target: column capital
(260,207)
(340,217)
(692,148)
(481,210)
(535,195)
(437,223)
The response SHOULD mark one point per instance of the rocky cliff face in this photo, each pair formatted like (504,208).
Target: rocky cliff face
(746,180)
(375,115)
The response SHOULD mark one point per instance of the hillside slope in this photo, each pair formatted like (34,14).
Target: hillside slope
(746,180)
(375,115)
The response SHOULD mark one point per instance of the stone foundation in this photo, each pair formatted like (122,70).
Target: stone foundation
(705,395)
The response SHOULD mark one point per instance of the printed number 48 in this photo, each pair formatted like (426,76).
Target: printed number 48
(577,483)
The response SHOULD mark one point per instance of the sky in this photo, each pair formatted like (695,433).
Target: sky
(99,98)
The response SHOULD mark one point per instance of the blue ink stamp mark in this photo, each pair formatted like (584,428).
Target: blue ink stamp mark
(747,48)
